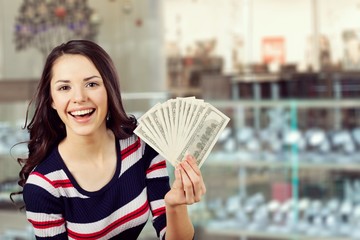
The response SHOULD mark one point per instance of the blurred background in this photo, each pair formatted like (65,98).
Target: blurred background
(287,73)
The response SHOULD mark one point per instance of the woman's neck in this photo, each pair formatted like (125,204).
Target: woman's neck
(94,147)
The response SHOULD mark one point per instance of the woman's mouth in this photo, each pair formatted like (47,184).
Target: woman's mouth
(82,113)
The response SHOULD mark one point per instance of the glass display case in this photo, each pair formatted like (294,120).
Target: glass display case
(285,169)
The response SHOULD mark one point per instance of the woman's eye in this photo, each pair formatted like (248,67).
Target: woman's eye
(63,88)
(92,84)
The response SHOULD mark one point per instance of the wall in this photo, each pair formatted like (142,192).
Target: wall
(135,49)
(335,17)
(290,19)
(138,49)
(1,43)
(135,41)
(188,21)
(25,64)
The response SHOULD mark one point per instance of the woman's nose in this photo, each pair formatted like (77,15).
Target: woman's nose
(79,95)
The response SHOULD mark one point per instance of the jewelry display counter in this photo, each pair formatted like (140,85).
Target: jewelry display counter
(279,173)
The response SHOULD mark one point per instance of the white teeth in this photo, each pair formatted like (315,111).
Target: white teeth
(81,112)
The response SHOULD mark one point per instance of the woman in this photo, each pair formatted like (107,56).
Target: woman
(87,175)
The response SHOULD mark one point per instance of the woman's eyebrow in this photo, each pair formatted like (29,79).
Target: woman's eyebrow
(62,81)
(91,77)
(85,79)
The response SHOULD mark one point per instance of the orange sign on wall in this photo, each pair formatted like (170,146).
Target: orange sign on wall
(273,50)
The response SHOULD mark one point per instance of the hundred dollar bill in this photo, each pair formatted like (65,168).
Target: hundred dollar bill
(157,124)
(172,107)
(204,135)
(145,134)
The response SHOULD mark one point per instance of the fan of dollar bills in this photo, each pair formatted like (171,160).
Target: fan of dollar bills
(182,126)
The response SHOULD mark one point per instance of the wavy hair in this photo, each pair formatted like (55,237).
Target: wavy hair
(46,128)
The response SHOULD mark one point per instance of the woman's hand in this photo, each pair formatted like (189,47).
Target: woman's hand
(188,186)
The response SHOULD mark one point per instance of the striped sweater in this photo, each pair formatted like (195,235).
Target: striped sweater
(58,208)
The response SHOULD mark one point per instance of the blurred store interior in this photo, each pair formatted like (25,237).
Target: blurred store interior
(287,73)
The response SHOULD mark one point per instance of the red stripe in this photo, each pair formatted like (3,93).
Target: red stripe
(128,217)
(65,183)
(157,166)
(158,211)
(62,183)
(47,224)
(130,149)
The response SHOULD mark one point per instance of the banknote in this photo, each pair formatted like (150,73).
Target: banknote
(182,126)
(204,135)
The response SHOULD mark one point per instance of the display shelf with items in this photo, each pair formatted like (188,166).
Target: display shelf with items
(185,70)
(288,174)
(184,74)
(289,83)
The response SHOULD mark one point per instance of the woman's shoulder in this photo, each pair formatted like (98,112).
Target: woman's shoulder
(51,163)
(132,142)
(135,143)
(49,176)
(48,171)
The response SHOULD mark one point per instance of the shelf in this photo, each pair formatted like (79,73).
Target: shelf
(266,235)
(17,89)
(215,160)
(297,103)
(185,91)
(256,77)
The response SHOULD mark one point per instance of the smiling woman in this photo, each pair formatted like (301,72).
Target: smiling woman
(87,175)
(79,95)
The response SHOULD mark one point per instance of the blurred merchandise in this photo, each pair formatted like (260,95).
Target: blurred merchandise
(351,39)
(44,24)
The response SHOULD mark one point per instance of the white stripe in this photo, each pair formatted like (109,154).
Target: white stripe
(134,157)
(162,233)
(43,217)
(57,175)
(83,228)
(41,182)
(69,192)
(50,232)
(156,205)
(161,172)
(157,159)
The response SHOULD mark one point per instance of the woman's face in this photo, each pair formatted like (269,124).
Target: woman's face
(79,95)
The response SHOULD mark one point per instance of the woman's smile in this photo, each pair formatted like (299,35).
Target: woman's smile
(82,116)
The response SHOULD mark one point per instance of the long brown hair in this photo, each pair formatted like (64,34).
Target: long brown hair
(46,128)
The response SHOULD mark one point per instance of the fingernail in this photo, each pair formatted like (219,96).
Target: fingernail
(191,158)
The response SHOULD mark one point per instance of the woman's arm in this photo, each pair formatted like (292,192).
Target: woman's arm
(188,188)
(43,208)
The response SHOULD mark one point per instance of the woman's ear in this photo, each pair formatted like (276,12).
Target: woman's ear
(53,105)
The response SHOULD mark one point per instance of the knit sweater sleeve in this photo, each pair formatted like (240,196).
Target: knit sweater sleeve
(44,208)
(157,186)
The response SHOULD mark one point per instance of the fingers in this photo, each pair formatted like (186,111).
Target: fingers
(177,184)
(193,183)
